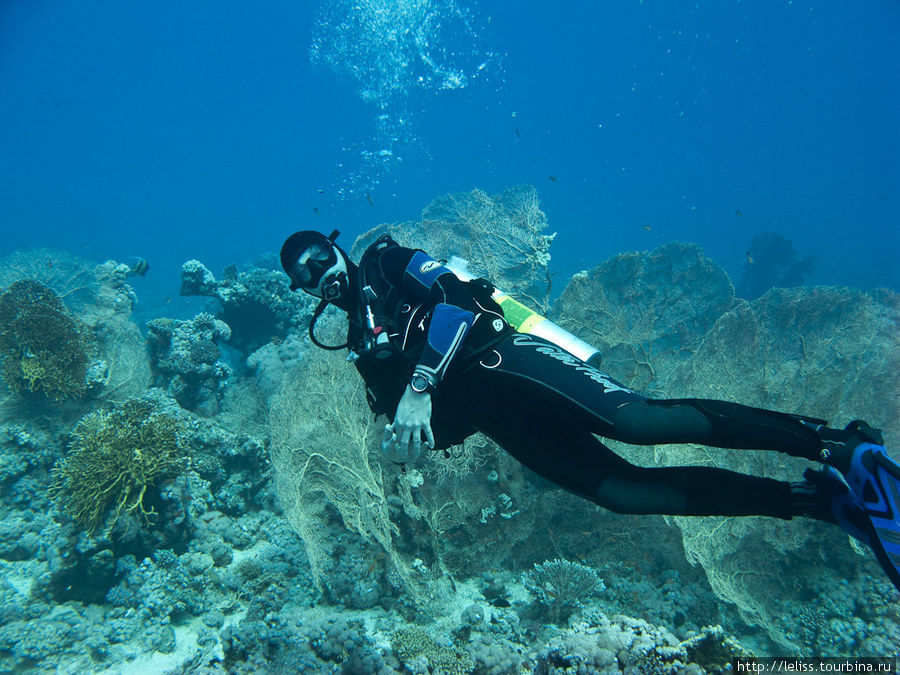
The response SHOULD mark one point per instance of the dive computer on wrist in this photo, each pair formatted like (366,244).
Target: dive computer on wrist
(421,383)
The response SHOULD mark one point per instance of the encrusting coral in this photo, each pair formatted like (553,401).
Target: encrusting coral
(43,348)
(113,459)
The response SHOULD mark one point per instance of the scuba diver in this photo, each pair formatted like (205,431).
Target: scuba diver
(441,360)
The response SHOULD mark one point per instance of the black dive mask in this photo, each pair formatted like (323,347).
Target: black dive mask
(315,264)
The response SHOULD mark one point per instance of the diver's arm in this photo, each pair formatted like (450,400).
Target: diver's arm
(426,280)
(423,279)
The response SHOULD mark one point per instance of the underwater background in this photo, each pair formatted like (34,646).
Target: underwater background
(707,192)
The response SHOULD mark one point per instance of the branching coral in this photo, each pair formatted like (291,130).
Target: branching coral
(43,348)
(112,461)
(562,585)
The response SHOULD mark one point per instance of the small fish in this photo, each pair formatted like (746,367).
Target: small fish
(321,191)
(749,259)
(648,228)
(518,133)
(369,199)
(552,179)
(316,210)
(168,300)
(139,268)
(739,213)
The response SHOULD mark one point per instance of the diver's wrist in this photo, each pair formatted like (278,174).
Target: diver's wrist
(422,382)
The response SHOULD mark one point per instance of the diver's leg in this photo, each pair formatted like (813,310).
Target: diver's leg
(539,403)
(581,464)
(731,425)
(587,398)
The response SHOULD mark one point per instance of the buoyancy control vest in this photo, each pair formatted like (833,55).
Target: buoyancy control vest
(387,334)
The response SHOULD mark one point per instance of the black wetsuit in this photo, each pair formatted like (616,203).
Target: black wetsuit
(544,406)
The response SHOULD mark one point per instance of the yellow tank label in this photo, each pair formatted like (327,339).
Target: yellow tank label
(516,313)
(529,323)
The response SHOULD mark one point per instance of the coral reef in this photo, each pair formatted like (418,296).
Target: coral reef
(72,278)
(646,311)
(257,305)
(185,360)
(43,348)
(123,359)
(562,586)
(271,363)
(417,650)
(172,564)
(101,354)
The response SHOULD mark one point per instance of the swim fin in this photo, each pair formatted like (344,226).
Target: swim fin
(874,478)
(835,502)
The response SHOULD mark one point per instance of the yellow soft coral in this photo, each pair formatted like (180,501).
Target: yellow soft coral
(32,372)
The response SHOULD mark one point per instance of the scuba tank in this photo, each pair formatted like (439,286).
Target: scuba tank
(526,320)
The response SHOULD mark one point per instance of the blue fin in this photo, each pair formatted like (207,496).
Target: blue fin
(843,505)
(874,479)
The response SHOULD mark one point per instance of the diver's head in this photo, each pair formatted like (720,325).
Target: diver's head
(316,264)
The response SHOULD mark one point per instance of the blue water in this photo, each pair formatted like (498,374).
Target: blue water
(210,130)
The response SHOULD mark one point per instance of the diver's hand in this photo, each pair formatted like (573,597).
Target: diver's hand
(390,448)
(403,440)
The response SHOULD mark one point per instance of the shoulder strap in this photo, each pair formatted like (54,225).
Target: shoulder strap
(370,271)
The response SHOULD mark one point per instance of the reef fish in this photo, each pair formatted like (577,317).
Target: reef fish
(138,268)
